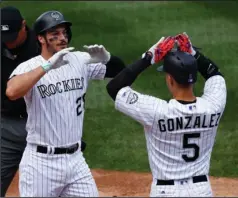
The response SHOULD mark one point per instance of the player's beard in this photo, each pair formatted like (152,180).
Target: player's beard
(54,45)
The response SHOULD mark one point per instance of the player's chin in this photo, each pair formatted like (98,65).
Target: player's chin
(60,47)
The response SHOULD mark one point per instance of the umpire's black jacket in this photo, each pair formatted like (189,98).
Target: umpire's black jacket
(13,113)
(10,59)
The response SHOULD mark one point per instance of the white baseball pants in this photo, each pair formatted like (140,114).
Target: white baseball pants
(54,175)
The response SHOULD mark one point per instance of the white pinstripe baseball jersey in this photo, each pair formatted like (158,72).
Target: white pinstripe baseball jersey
(179,137)
(55,105)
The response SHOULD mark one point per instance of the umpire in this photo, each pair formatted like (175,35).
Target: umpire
(18,44)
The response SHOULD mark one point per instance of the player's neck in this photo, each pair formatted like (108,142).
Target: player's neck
(184,94)
(46,55)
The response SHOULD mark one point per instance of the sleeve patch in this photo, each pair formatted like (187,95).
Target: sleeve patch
(132,98)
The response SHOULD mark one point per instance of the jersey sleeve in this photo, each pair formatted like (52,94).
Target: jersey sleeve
(215,92)
(96,71)
(140,107)
(21,69)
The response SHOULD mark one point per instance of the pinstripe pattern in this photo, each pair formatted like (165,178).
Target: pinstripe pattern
(57,113)
(55,109)
(171,150)
(80,178)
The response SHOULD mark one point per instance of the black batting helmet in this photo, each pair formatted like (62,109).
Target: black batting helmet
(49,20)
(181,65)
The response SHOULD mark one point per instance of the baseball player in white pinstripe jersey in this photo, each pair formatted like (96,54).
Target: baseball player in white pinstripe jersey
(54,85)
(180,133)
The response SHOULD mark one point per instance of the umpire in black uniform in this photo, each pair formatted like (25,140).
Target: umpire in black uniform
(18,44)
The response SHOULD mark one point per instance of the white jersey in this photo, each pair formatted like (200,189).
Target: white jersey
(55,104)
(179,137)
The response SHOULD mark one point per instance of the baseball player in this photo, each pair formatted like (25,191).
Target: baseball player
(180,133)
(18,44)
(54,86)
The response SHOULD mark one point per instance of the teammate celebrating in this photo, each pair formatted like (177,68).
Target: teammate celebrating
(54,85)
(179,133)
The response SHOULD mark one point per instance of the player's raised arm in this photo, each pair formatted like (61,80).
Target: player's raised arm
(101,63)
(23,78)
(215,87)
(138,106)
(128,75)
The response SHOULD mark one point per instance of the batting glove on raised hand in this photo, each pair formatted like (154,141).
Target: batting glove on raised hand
(98,54)
(161,48)
(184,43)
(56,60)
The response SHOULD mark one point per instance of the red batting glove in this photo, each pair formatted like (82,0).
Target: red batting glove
(184,43)
(163,48)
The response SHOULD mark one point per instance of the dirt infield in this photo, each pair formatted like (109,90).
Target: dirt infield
(124,184)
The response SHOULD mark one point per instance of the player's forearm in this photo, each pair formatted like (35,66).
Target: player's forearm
(127,76)
(19,85)
(114,66)
(206,67)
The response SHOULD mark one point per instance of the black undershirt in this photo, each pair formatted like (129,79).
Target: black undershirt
(114,66)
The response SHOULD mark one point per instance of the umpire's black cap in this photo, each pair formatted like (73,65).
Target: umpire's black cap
(181,65)
(11,23)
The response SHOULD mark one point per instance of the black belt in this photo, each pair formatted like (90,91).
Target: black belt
(58,150)
(196,179)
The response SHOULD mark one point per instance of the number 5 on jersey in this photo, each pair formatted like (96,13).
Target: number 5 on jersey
(79,102)
(187,145)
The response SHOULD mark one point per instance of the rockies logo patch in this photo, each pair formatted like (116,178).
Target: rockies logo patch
(132,98)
